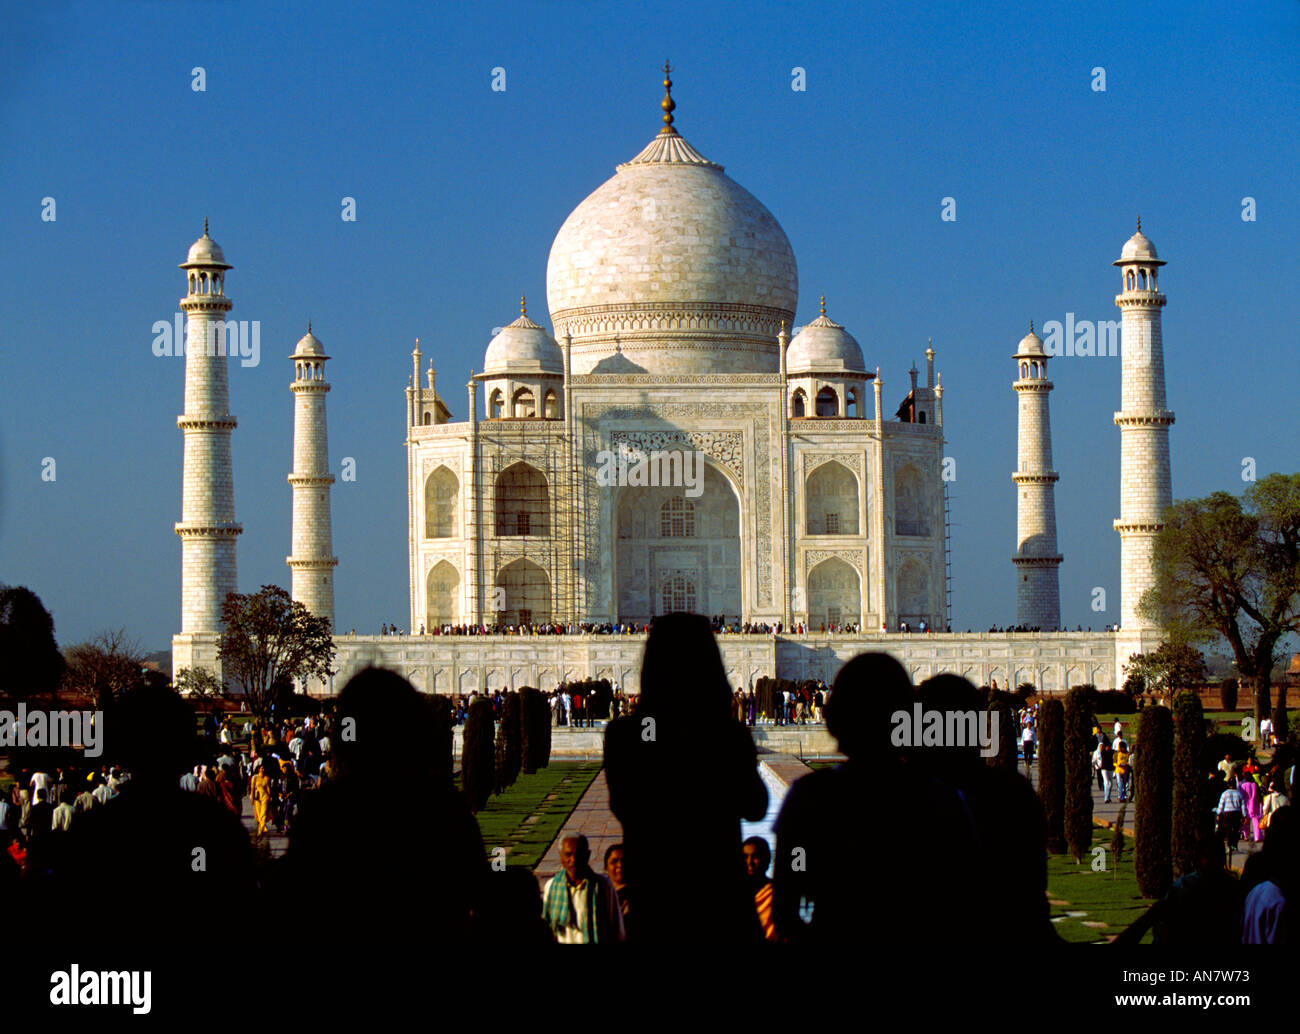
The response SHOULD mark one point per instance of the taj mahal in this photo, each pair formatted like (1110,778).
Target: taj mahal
(795,487)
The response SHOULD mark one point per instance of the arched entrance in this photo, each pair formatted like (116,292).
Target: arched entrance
(675,551)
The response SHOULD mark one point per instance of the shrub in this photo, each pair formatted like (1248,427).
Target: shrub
(1078,771)
(1155,755)
(1007,737)
(1051,771)
(1228,694)
(1190,817)
(1281,724)
(529,739)
(477,758)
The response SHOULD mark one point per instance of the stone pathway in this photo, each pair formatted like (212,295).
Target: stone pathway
(274,841)
(592,817)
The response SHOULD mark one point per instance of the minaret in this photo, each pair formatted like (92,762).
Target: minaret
(1038,592)
(312,562)
(1143,420)
(207,526)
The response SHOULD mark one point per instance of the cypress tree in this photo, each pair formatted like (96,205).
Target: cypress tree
(1078,771)
(477,758)
(1190,818)
(508,742)
(529,742)
(1007,738)
(1155,755)
(1051,771)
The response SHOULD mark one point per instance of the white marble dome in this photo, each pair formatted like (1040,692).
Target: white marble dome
(309,347)
(824,346)
(523,347)
(1031,346)
(205,252)
(676,264)
(1138,248)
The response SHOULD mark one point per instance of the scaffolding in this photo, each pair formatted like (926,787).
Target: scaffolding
(947,558)
(524,528)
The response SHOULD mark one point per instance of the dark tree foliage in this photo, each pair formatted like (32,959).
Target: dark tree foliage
(1190,815)
(1228,694)
(477,757)
(1155,752)
(508,742)
(1223,744)
(1281,724)
(32,662)
(1007,737)
(1051,771)
(1078,771)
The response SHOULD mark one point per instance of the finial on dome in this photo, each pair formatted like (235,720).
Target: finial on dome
(205,226)
(523,306)
(667,103)
(823,302)
(1031,326)
(1139,224)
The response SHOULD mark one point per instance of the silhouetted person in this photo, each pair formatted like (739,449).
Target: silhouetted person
(153,857)
(1269,915)
(386,841)
(509,911)
(873,844)
(1010,827)
(1202,908)
(681,777)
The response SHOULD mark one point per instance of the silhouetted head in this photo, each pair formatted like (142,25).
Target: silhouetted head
(1282,846)
(757,856)
(958,701)
(866,693)
(682,673)
(384,729)
(150,730)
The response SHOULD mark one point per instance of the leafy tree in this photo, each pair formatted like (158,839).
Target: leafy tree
(508,742)
(1231,567)
(197,682)
(1175,664)
(1078,771)
(32,661)
(1051,771)
(1190,814)
(104,668)
(477,757)
(268,638)
(1155,752)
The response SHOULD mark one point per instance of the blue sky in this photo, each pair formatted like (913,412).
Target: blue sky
(460,191)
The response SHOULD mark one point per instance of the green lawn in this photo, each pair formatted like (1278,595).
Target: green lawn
(1109,897)
(505,822)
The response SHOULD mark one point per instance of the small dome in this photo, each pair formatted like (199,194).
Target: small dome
(523,347)
(1031,346)
(1138,248)
(205,252)
(823,346)
(309,347)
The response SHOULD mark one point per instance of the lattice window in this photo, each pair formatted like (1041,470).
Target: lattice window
(677,519)
(678,594)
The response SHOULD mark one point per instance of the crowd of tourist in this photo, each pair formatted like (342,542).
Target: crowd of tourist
(370,814)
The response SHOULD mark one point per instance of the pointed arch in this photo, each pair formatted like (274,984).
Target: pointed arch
(831,501)
(441,493)
(442,595)
(523,505)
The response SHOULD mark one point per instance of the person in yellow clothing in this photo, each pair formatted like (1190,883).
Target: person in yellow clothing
(261,793)
(1122,768)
